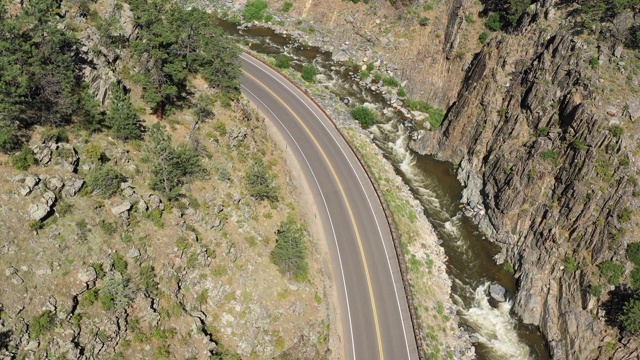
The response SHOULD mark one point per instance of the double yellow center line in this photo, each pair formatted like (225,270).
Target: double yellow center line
(346,201)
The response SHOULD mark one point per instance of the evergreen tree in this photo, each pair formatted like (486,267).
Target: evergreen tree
(171,167)
(122,117)
(290,252)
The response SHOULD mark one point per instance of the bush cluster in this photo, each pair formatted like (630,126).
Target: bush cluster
(104,181)
(364,115)
(260,182)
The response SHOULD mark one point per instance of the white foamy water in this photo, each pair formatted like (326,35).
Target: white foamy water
(494,327)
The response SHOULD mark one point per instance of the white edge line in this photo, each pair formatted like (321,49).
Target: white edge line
(251,60)
(335,239)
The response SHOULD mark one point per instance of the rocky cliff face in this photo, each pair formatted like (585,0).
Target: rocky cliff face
(542,130)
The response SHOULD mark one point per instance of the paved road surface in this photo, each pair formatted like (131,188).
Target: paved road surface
(374,312)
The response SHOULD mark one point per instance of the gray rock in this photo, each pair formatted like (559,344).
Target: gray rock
(68,157)
(618,51)
(133,253)
(71,186)
(43,153)
(55,183)
(11,271)
(16,279)
(121,209)
(155,202)
(497,292)
(33,345)
(38,211)
(29,183)
(142,206)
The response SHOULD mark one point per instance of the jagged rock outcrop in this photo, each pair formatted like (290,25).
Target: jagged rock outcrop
(547,172)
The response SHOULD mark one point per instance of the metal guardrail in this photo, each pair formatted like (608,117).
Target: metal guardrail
(388,215)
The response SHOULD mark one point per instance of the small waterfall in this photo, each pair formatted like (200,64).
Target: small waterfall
(494,327)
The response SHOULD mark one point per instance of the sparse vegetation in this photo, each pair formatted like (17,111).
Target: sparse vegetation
(570,265)
(483,37)
(41,323)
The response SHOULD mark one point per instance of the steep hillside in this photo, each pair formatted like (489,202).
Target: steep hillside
(125,236)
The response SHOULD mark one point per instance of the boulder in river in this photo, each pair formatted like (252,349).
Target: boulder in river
(497,292)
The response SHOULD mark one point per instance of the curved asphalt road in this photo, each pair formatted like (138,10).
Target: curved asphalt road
(374,312)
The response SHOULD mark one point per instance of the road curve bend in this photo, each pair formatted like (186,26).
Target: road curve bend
(375,316)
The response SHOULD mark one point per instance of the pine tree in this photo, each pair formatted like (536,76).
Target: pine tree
(122,117)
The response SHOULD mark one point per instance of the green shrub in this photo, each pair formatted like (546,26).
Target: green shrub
(570,265)
(365,116)
(370,66)
(616,131)
(595,290)
(579,145)
(630,317)
(254,10)
(633,253)
(24,159)
(483,37)
(377,77)
(287,6)
(508,268)
(99,270)
(148,280)
(611,271)
(108,227)
(549,155)
(94,153)
(104,181)
(114,294)
(542,132)
(594,62)
(424,21)
(290,252)
(391,81)
(260,182)
(401,92)
(494,21)
(8,138)
(436,116)
(417,105)
(624,215)
(363,74)
(283,61)
(635,278)
(119,263)
(41,323)
(309,73)
(89,297)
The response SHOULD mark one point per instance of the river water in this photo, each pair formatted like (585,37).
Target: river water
(497,334)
